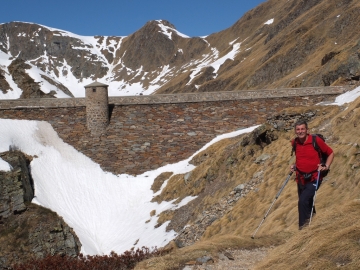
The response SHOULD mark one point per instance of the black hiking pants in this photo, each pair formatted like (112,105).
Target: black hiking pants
(306,198)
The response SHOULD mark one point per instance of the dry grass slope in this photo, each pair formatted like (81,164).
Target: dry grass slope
(332,240)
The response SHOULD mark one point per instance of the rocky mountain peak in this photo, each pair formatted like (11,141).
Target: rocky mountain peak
(157,24)
(154,45)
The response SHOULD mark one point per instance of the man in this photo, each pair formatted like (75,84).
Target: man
(307,166)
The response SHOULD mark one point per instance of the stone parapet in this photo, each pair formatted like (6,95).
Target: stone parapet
(177,98)
(38,103)
(233,95)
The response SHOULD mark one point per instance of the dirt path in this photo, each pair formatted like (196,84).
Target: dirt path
(239,260)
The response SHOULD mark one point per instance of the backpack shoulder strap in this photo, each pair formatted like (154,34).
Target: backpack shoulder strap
(314,142)
(315,145)
(293,148)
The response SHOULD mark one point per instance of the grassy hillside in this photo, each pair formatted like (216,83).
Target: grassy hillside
(333,238)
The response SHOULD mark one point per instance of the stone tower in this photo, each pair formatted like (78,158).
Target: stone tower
(97,108)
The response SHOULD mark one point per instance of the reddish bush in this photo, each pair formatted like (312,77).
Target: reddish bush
(127,260)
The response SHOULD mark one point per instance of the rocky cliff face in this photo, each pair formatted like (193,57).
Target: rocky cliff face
(28,230)
(277,44)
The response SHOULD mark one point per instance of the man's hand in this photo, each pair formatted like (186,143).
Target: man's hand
(322,167)
(293,168)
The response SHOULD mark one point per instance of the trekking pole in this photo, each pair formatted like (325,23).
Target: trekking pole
(277,196)
(312,209)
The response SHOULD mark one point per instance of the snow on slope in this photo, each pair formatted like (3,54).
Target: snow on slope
(4,166)
(90,44)
(16,92)
(35,73)
(347,97)
(108,212)
(166,30)
(213,60)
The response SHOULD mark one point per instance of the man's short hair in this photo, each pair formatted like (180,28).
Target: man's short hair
(301,122)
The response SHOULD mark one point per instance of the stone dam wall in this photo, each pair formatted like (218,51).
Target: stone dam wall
(146,132)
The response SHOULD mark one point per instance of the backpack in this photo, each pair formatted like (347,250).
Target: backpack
(323,157)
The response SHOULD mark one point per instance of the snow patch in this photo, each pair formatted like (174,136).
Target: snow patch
(166,30)
(301,74)
(347,97)
(269,21)
(4,166)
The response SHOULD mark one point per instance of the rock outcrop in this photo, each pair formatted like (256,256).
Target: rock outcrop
(16,186)
(28,230)
(31,89)
(4,85)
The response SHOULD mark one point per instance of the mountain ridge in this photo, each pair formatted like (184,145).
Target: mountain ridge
(278,44)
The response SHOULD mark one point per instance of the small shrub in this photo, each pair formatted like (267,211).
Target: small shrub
(127,260)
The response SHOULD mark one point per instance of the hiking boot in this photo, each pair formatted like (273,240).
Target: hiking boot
(306,224)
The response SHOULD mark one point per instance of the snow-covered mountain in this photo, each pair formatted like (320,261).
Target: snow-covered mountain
(278,44)
(60,63)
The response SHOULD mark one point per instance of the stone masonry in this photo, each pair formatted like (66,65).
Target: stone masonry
(97,108)
(143,135)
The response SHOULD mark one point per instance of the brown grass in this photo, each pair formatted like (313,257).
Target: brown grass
(179,188)
(331,241)
(155,187)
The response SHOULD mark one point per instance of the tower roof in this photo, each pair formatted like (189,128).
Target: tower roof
(95,84)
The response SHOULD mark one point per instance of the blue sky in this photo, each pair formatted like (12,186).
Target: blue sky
(124,17)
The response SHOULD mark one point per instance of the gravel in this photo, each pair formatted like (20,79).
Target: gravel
(243,259)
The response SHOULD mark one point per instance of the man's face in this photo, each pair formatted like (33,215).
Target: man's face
(301,131)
